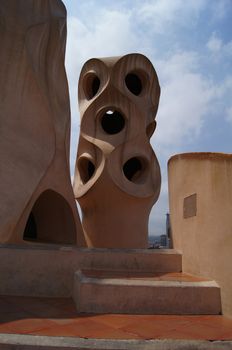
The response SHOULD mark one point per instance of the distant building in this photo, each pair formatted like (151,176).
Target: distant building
(168,225)
(164,240)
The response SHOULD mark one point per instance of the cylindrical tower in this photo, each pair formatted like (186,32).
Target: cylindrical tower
(200,199)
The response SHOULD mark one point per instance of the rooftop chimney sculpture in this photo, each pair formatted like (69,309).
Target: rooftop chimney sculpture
(36,197)
(117,175)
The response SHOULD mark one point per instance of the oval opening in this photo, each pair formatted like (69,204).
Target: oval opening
(134,83)
(51,220)
(86,169)
(132,169)
(112,122)
(91,85)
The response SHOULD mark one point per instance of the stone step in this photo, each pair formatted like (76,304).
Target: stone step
(21,274)
(145,293)
(159,260)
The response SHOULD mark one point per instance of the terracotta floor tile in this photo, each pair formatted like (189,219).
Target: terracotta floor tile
(227,335)
(170,319)
(63,321)
(85,329)
(145,329)
(25,326)
(214,321)
(207,331)
(117,334)
(176,327)
(117,320)
(58,316)
(77,327)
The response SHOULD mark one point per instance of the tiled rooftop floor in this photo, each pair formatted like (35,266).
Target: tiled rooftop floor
(58,317)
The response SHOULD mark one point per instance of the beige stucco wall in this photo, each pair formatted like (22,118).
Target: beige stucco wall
(205,239)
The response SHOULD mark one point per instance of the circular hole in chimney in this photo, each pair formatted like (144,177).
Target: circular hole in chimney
(112,122)
(91,85)
(133,169)
(134,83)
(86,169)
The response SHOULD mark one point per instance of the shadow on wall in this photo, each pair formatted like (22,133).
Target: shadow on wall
(51,220)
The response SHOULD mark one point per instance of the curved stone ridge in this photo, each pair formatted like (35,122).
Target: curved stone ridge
(36,197)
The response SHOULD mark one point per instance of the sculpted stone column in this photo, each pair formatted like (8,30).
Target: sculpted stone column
(36,198)
(117,175)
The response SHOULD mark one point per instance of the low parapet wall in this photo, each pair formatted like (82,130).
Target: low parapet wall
(48,269)
(200,200)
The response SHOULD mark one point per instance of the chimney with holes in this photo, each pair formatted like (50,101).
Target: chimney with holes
(117,175)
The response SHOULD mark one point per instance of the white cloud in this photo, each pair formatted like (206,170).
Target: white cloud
(108,33)
(214,44)
(165,13)
(218,48)
(111,35)
(186,97)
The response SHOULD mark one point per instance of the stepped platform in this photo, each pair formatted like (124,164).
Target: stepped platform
(48,269)
(153,304)
(145,293)
(53,323)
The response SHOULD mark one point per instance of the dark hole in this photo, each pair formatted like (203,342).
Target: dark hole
(51,220)
(95,86)
(86,169)
(91,85)
(91,169)
(133,83)
(112,122)
(132,168)
(30,231)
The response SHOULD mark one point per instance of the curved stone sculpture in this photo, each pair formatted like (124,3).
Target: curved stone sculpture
(36,197)
(117,175)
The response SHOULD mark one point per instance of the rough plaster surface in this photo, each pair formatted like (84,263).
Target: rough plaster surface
(204,239)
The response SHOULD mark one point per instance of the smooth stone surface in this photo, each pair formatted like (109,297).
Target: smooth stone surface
(145,296)
(204,238)
(117,175)
(36,197)
(48,270)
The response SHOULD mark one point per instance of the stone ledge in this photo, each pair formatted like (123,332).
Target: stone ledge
(31,342)
(48,270)
(131,295)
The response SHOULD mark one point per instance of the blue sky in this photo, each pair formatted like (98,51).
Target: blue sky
(190,46)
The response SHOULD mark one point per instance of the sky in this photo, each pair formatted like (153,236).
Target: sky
(190,46)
